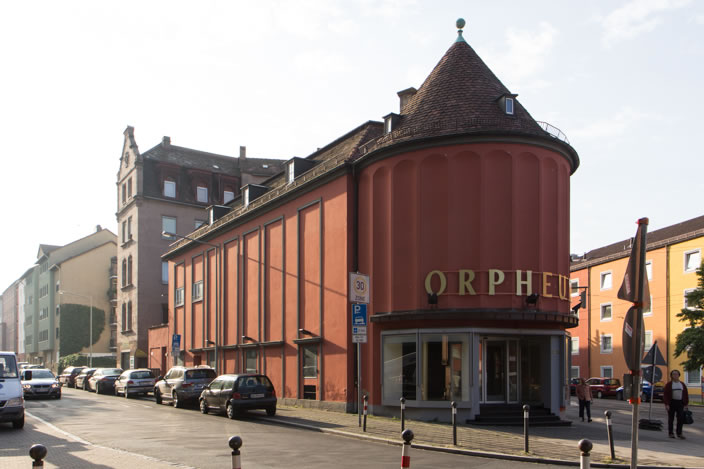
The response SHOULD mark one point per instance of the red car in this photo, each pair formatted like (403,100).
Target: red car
(603,386)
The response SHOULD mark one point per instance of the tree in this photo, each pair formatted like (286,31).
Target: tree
(691,341)
(74,327)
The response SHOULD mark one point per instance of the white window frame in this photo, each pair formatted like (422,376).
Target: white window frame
(510,108)
(574,285)
(603,368)
(197,294)
(572,371)
(684,298)
(601,344)
(202,194)
(575,345)
(171,192)
(179,297)
(290,172)
(601,312)
(649,269)
(602,275)
(245,197)
(693,384)
(647,347)
(686,257)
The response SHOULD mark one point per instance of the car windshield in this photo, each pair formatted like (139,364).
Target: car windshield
(8,366)
(141,374)
(112,371)
(202,373)
(42,374)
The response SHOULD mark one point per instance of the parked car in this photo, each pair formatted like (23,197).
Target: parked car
(38,382)
(645,391)
(103,380)
(603,386)
(68,376)
(138,381)
(573,386)
(183,384)
(233,394)
(11,397)
(81,381)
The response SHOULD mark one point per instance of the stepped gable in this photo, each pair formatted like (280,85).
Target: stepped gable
(460,96)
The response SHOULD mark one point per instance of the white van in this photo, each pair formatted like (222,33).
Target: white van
(11,398)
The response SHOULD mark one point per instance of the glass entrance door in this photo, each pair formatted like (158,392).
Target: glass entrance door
(500,371)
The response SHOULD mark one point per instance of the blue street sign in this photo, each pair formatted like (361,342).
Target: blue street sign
(359,315)
(176,341)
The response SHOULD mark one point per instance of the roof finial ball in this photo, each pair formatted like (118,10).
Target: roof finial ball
(460,24)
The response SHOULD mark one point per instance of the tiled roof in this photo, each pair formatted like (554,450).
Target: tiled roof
(192,159)
(672,234)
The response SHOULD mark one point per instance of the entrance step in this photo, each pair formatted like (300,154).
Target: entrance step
(512,415)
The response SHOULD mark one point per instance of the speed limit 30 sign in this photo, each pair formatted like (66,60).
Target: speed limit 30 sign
(359,288)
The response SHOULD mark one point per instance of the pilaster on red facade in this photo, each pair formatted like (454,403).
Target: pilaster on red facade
(456,206)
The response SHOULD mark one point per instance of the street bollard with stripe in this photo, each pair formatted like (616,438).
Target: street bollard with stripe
(403,413)
(610,433)
(526,417)
(235,443)
(407,436)
(454,422)
(366,402)
(37,452)
(585,447)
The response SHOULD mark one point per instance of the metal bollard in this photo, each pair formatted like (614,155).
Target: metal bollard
(454,422)
(585,446)
(526,416)
(37,452)
(366,402)
(407,436)
(235,443)
(403,413)
(610,433)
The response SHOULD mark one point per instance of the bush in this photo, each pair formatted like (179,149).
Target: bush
(76,359)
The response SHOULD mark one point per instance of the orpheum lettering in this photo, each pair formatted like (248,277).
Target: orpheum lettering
(497,282)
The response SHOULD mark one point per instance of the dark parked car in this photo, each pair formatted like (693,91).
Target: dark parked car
(83,377)
(183,384)
(645,391)
(233,394)
(37,382)
(103,380)
(573,386)
(68,376)
(604,386)
(131,382)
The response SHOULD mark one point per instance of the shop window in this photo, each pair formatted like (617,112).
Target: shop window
(575,345)
(442,367)
(197,291)
(399,367)
(202,194)
(250,361)
(169,188)
(607,371)
(606,314)
(692,260)
(606,345)
(310,361)
(606,280)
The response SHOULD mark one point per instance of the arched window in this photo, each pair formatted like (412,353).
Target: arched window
(124,272)
(129,270)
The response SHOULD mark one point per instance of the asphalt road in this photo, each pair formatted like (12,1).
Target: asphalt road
(187,438)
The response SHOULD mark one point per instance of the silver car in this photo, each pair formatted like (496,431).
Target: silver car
(131,382)
(183,384)
(39,382)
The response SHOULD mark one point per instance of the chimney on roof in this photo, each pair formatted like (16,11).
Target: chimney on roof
(98,228)
(243,152)
(406,96)
(166,141)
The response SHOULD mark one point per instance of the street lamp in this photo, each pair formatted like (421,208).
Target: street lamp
(90,297)
(169,235)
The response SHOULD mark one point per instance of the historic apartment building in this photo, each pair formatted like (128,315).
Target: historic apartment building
(673,255)
(69,279)
(456,207)
(164,189)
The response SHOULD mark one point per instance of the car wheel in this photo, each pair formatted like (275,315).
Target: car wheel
(231,413)
(18,423)
(175,400)
(157,396)
(271,411)
(127,395)
(85,386)
(599,394)
(98,389)
(116,393)
(203,407)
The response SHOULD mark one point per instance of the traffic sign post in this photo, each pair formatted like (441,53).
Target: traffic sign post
(359,296)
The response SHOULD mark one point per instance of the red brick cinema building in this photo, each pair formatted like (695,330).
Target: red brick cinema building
(457,208)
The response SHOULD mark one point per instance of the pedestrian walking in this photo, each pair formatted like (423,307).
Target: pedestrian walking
(584,394)
(676,399)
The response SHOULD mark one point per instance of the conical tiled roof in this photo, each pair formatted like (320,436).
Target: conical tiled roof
(462,96)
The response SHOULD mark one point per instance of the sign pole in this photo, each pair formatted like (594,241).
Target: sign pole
(359,382)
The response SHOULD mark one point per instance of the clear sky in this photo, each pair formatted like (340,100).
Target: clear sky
(622,79)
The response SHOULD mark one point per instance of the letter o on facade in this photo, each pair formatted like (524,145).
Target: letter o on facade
(429,279)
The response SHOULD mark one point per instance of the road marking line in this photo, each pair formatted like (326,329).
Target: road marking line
(88,443)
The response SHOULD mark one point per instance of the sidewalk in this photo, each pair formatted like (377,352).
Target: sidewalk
(552,445)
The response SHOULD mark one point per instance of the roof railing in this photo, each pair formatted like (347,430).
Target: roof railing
(553,131)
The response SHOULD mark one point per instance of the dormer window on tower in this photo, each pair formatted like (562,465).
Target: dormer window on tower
(390,122)
(297,166)
(507,103)
(509,106)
